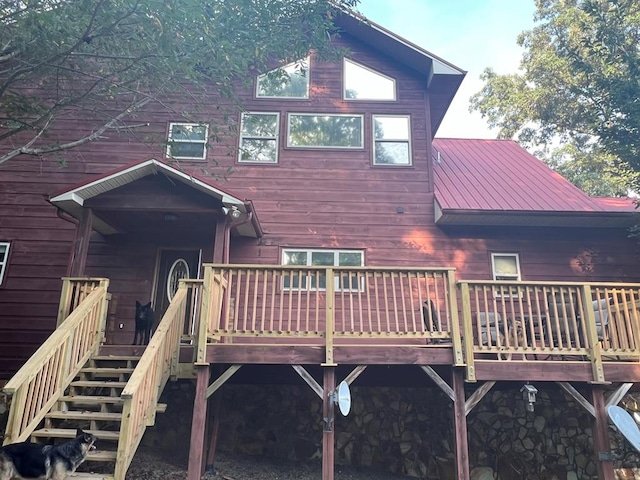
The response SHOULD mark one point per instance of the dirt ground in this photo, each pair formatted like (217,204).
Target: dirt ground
(148,466)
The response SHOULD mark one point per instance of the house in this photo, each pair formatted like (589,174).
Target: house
(345,235)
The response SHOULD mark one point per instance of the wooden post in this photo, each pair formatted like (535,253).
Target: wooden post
(601,443)
(468,332)
(328,433)
(456,339)
(330,319)
(216,409)
(81,244)
(460,426)
(198,423)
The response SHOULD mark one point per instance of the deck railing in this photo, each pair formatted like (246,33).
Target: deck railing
(325,304)
(74,291)
(44,377)
(550,321)
(158,362)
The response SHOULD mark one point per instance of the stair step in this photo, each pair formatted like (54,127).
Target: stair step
(102,456)
(91,400)
(90,476)
(113,370)
(98,384)
(85,415)
(122,358)
(71,433)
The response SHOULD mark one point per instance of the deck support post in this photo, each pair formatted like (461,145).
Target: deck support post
(460,426)
(80,248)
(601,443)
(328,416)
(198,423)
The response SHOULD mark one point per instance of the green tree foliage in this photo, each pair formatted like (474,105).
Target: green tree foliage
(104,60)
(579,88)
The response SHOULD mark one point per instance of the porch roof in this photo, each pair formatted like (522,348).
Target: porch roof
(72,199)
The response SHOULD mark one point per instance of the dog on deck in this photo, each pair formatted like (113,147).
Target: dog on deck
(45,462)
(515,330)
(145,318)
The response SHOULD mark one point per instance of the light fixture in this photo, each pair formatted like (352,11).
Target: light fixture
(170,217)
(235,213)
(529,395)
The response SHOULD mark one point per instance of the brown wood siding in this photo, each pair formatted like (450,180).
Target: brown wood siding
(313,198)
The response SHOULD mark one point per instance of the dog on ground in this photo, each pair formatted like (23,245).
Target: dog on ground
(145,318)
(45,462)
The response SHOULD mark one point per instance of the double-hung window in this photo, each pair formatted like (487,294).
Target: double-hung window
(4,257)
(187,141)
(391,140)
(259,137)
(317,280)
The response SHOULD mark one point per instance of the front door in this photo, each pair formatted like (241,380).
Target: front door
(172,266)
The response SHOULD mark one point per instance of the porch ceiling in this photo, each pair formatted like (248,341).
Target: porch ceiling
(152,196)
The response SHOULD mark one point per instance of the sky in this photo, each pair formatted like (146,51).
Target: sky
(471,34)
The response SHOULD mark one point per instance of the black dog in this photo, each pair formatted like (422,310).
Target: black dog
(145,318)
(45,462)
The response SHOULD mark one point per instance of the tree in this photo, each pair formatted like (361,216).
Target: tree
(106,59)
(578,88)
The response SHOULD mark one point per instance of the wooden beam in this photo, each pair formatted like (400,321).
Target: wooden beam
(355,373)
(219,240)
(577,396)
(215,427)
(438,380)
(265,354)
(306,376)
(601,442)
(619,394)
(460,426)
(198,423)
(476,396)
(222,379)
(328,434)
(80,247)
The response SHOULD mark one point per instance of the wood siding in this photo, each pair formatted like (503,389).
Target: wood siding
(313,198)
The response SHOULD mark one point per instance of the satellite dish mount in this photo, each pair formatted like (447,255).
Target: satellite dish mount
(341,396)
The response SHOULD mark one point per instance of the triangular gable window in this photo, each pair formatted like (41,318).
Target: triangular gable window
(364,83)
(290,81)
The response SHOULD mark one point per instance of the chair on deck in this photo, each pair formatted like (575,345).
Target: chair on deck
(601,314)
(563,308)
(489,327)
(430,316)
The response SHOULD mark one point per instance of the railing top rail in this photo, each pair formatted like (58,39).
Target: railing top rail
(56,338)
(192,281)
(93,279)
(325,267)
(547,283)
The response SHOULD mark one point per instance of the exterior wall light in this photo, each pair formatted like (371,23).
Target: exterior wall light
(235,213)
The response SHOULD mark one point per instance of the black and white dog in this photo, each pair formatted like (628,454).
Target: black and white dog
(145,318)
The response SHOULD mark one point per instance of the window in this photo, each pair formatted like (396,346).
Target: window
(4,257)
(342,258)
(362,83)
(391,140)
(188,141)
(259,137)
(505,266)
(290,81)
(325,131)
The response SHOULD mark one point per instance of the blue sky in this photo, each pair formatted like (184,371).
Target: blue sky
(471,34)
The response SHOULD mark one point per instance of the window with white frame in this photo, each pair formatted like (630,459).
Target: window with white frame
(310,130)
(505,266)
(4,257)
(321,257)
(391,140)
(187,141)
(259,137)
(289,81)
(364,83)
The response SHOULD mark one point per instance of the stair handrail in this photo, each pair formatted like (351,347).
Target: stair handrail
(42,380)
(148,380)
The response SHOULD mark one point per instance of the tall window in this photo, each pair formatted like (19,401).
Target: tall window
(342,258)
(259,138)
(187,141)
(363,83)
(505,266)
(4,257)
(325,131)
(290,81)
(391,140)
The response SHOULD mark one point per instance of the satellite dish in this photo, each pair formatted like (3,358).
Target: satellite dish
(625,424)
(343,398)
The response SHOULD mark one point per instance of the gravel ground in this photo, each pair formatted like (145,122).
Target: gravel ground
(150,466)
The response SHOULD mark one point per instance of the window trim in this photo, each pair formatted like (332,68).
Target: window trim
(306,60)
(501,254)
(4,261)
(391,140)
(336,256)
(325,147)
(276,138)
(204,142)
(372,70)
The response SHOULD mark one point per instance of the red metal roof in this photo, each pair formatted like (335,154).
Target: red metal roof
(500,175)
